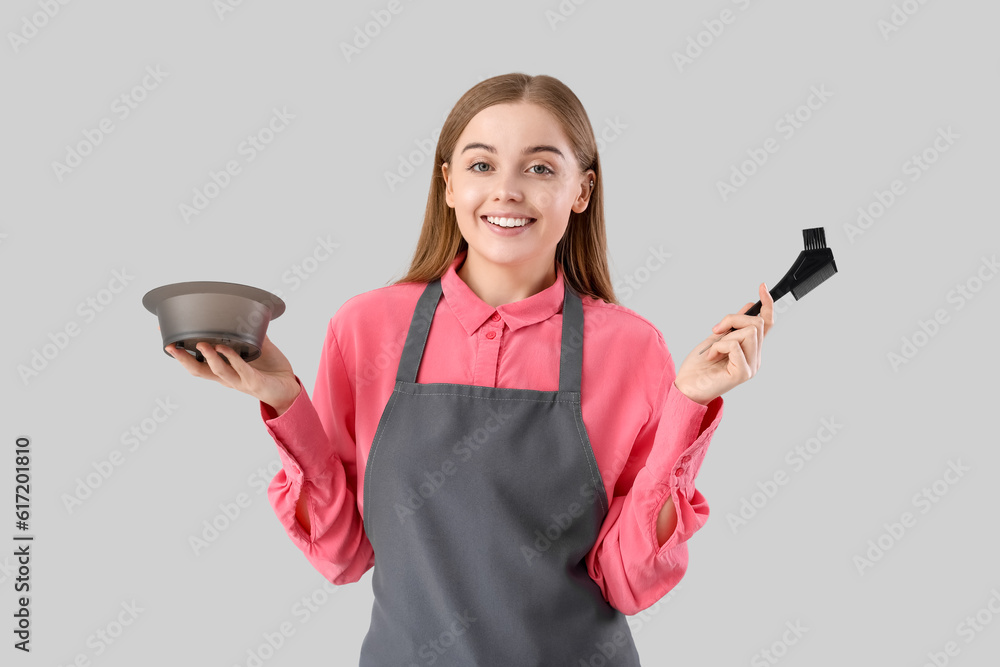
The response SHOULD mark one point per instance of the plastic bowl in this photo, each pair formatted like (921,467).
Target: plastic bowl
(217,313)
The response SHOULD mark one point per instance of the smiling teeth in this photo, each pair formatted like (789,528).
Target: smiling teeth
(509,222)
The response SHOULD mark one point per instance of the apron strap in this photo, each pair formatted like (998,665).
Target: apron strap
(571,347)
(416,338)
(571,343)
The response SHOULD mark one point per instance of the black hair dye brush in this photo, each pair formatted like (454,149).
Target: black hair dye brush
(813,266)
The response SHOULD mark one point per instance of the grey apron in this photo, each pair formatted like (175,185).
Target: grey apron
(481,504)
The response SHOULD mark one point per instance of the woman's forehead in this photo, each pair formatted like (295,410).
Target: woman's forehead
(514,126)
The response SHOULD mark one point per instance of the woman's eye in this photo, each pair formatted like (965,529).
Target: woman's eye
(539,169)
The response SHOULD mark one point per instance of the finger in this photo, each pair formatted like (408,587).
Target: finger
(719,332)
(193,366)
(730,350)
(222,370)
(241,367)
(711,353)
(748,339)
(766,308)
(761,326)
(738,366)
(721,325)
(767,321)
(738,321)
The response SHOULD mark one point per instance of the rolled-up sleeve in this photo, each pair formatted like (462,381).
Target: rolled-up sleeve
(316,447)
(627,560)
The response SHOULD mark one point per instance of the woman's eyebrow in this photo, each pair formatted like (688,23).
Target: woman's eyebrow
(531,150)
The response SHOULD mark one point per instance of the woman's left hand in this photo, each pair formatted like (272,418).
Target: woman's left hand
(731,360)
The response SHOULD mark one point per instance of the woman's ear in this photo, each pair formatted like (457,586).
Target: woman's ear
(587,185)
(448,194)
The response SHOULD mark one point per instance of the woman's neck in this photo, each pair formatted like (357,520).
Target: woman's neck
(498,284)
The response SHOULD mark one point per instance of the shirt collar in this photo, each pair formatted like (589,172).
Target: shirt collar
(472,311)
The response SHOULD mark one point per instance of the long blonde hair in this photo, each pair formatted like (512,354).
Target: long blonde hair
(582,251)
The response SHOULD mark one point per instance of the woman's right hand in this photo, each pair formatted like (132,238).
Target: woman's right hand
(268,378)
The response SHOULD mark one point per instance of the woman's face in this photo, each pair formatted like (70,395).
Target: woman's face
(513,163)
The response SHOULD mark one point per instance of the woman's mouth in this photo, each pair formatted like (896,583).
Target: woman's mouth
(507,222)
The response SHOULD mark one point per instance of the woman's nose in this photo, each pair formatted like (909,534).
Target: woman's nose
(509,186)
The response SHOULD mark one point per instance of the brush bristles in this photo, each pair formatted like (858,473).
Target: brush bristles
(814,239)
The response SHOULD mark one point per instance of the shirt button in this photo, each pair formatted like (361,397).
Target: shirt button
(679,472)
(685,458)
(491,334)
(495,317)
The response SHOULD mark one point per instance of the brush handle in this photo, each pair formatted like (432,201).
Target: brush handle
(813,265)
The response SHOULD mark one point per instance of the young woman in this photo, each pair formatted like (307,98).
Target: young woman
(507,446)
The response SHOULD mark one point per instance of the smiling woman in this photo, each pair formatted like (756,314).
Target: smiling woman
(521,148)
(508,447)
(512,200)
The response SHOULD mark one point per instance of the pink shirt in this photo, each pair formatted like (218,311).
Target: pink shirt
(649,439)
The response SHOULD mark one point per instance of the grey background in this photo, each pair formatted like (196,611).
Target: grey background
(681,129)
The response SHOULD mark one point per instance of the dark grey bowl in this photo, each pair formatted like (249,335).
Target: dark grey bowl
(214,312)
